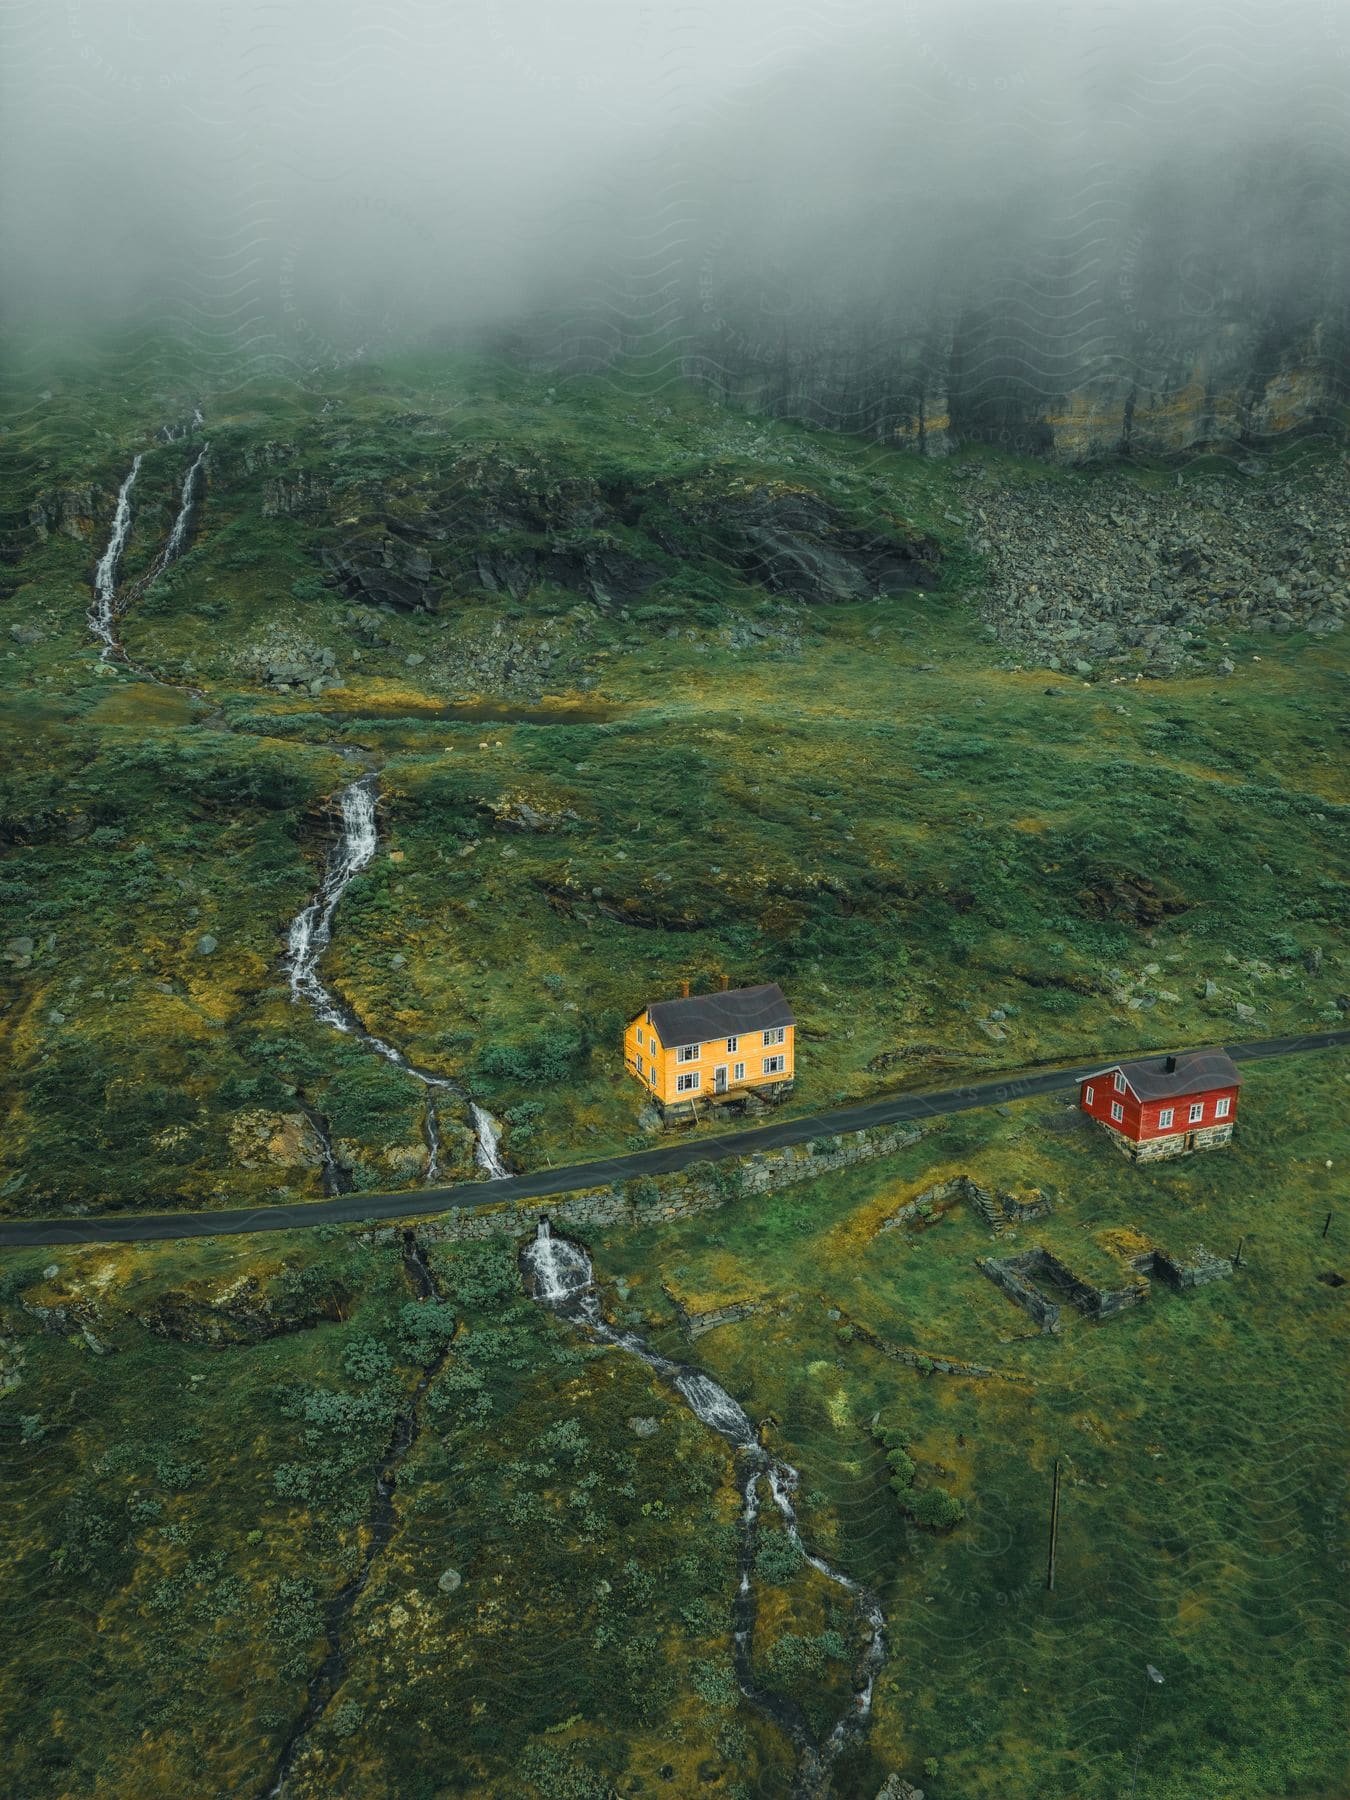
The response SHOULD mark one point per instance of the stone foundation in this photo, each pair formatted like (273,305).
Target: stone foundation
(1005,1276)
(1092,1302)
(1009,1274)
(713,1108)
(1201,1266)
(1177,1143)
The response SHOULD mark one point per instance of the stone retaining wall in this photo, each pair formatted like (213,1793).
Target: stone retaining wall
(923,1360)
(665,1199)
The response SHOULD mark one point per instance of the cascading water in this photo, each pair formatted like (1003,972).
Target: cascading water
(103,613)
(487,1136)
(562,1278)
(187,500)
(311,933)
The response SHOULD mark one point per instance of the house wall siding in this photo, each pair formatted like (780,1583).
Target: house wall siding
(750,1050)
(1140,1120)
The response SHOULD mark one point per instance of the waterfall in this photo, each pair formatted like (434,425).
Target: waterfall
(187,499)
(103,613)
(563,1279)
(487,1135)
(310,934)
(312,929)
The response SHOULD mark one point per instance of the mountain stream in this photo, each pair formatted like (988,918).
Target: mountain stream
(561,1277)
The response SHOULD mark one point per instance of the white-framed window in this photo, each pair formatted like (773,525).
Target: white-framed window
(1087,1096)
(738,1073)
(1222,1107)
(639,1034)
(733,1044)
(688,1052)
(1165,1117)
(777,1035)
(1197,1111)
(1121,1084)
(652,1078)
(685,1084)
(641,1070)
(1117,1111)
(774,1065)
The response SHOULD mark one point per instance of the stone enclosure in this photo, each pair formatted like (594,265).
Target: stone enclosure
(1012,1274)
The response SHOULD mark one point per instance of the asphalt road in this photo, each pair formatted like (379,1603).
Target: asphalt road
(661,1159)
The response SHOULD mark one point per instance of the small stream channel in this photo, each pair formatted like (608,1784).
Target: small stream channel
(380,1523)
(560,1276)
(311,933)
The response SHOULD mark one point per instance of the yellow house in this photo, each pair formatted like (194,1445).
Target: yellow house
(706,1046)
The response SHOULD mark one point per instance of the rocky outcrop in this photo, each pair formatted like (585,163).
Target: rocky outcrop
(246,1311)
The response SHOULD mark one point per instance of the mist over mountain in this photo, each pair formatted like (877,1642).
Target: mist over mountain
(1094,228)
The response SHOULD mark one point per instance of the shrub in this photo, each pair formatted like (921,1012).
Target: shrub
(935,1508)
(777,1557)
(901,1466)
(425,1327)
(366,1359)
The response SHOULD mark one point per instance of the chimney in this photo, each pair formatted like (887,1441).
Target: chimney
(1171,1065)
(684,990)
(726,982)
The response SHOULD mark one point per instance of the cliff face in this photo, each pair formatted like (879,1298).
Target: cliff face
(1017,371)
(1233,385)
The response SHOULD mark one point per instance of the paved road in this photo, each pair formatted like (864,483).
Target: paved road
(662,1159)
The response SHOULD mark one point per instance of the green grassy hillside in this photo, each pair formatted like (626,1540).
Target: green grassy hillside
(654,692)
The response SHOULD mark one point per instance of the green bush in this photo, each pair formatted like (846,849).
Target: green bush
(777,1557)
(934,1507)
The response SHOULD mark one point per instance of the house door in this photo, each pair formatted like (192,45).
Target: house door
(720,1079)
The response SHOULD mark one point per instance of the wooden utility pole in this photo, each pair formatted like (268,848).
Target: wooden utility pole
(1327,1227)
(1054,1531)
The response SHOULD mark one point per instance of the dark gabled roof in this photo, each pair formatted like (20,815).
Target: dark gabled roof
(705,1016)
(1196,1072)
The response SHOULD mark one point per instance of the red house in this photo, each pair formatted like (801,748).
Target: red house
(1165,1105)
